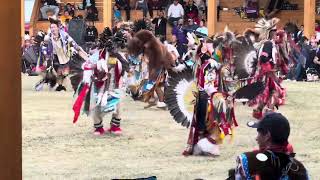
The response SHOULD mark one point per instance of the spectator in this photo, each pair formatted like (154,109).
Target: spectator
(142,4)
(201,5)
(175,12)
(70,8)
(91,32)
(316,61)
(66,16)
(116,13)
(300,33)
(180,34)
(191,12)
(92,14)
(303,57)
(160,25)
(191,26)
(49,5)
(202,29)
(275,157)
(125,5)
(88,3)
(312,54)
(272,8)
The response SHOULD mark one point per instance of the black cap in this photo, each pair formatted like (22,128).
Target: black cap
(276,124)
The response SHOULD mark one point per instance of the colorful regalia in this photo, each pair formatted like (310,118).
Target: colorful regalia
(100,83)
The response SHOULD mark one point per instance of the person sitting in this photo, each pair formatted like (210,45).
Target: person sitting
(175,12)
(202,29)
(70,8)
(272,8)
(125,5)
(91,32)
(191,12)
(92,13)
(191,26)
(49,5)
(66,16)
(316,61)
(275,157)
(180,33)
(88,3)
(116,13)
(160,23)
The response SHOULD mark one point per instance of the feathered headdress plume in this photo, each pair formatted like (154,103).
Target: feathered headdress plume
(141,24)
(263,27)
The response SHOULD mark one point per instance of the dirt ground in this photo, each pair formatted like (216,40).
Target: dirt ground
(151,144)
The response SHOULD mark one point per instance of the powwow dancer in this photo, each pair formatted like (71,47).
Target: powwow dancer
(272,58)
(61,48)
(222,67)
(213,116)
(99,88)
(160,57)
(145,89)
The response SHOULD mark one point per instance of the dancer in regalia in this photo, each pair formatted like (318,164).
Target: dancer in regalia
(272,58)
(100,86)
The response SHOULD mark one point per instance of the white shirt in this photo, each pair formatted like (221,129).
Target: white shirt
(58,50)
(175,11)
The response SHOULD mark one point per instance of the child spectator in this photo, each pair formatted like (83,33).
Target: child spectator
(70,8)
(91,32)
(116,13)
(202,29)
(66,16)
(125,5)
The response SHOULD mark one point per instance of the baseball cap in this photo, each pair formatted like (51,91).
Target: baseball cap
(276,124)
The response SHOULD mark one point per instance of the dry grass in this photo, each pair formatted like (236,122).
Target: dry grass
(151,144)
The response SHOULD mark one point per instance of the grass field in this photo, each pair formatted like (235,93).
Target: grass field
(151,144)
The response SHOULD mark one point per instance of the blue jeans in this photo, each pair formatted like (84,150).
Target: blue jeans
(144,7)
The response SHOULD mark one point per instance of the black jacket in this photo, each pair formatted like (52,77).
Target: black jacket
(50,2)
(93,15)
(160,28)
(91,34)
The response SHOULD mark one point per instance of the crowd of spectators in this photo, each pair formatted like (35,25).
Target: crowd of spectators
(307,56)
(184,16)
(68,11)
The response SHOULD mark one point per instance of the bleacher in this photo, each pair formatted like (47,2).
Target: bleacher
(228,17)
(43,25)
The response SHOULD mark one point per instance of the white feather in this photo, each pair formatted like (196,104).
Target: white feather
(181,91)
